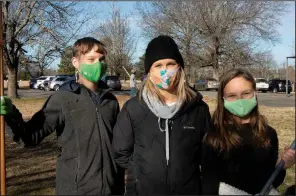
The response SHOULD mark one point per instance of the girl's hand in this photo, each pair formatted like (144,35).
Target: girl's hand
(288,156)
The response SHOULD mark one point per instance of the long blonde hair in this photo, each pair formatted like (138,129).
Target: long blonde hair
(182,89)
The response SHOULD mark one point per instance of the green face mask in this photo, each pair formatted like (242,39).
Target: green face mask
(241,107)
(93,72)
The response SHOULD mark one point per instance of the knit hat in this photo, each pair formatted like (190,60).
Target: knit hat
(162,47)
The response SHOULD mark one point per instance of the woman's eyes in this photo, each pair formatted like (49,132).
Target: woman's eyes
(172,64)
(168,65)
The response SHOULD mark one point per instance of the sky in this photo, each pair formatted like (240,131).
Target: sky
(286,30)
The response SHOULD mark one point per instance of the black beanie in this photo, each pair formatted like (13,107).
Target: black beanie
(162,47)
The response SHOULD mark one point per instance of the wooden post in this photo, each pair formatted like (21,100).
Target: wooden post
(2,127)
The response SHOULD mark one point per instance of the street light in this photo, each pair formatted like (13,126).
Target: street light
(289,57)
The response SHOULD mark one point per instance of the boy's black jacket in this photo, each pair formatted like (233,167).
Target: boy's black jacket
(83,122)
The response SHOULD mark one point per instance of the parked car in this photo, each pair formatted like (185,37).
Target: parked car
(277,85)
(208,84)
(56,82)
(40,80)
(112,82)
(41,86)
(261,85)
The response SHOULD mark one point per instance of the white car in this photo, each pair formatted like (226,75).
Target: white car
(55,83)
(261,85)
(40,81)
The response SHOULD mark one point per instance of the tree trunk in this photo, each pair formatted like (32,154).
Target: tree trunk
(216,74)
(12,83)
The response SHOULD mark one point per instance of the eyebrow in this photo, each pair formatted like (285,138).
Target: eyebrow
(171,63)
(241,92)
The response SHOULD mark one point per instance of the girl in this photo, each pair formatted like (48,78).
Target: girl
(241,151)
(158,134)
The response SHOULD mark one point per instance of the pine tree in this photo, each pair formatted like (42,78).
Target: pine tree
(65,66)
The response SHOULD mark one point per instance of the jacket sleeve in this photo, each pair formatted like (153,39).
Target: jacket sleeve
(210,170)
(43,123)
(116,112)
(275,148)
(207,119)
(123,139)
(206,129)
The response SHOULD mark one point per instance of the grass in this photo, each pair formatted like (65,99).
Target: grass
(32,171)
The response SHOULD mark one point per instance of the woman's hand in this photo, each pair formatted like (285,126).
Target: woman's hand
(288,156)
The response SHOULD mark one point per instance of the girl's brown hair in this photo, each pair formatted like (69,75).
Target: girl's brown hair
(223,138)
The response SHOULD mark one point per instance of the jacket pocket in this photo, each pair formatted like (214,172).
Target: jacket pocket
(130,187)
(137,182)
(66,175)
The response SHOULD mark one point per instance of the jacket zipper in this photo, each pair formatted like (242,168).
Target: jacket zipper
(167,165)
(98,119)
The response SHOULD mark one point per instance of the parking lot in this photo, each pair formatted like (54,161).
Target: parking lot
(267,99)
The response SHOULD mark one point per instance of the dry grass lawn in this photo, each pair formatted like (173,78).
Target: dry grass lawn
(32,171)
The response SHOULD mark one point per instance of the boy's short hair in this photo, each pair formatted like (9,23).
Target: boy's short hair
(86,44)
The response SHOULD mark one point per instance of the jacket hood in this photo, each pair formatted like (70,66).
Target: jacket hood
(187,106)
(72,86)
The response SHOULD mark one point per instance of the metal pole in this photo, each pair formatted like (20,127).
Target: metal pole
(126,71)
(287,76)
(267,187)
(2,127)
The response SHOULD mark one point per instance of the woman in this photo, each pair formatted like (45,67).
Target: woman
(158,134)
(241,150)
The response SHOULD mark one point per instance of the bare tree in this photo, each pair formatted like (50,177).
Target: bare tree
(216,34)
(119,39)
(264,66)
(26,22)
(44,54)
(172,18)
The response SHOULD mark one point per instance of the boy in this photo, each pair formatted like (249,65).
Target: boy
(83,115)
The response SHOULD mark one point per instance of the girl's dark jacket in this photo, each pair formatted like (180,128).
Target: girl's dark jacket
(139,147)
(83,123)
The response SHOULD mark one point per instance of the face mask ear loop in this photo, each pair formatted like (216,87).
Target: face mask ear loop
(77,75)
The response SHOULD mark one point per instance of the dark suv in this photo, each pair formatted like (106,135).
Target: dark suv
(112,82)
(277,85)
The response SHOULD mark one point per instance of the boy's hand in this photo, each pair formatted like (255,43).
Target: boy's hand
(6,107)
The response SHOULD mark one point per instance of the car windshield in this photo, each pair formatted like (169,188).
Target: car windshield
(61,79)
(261,80)
(42,78)
(112,78)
